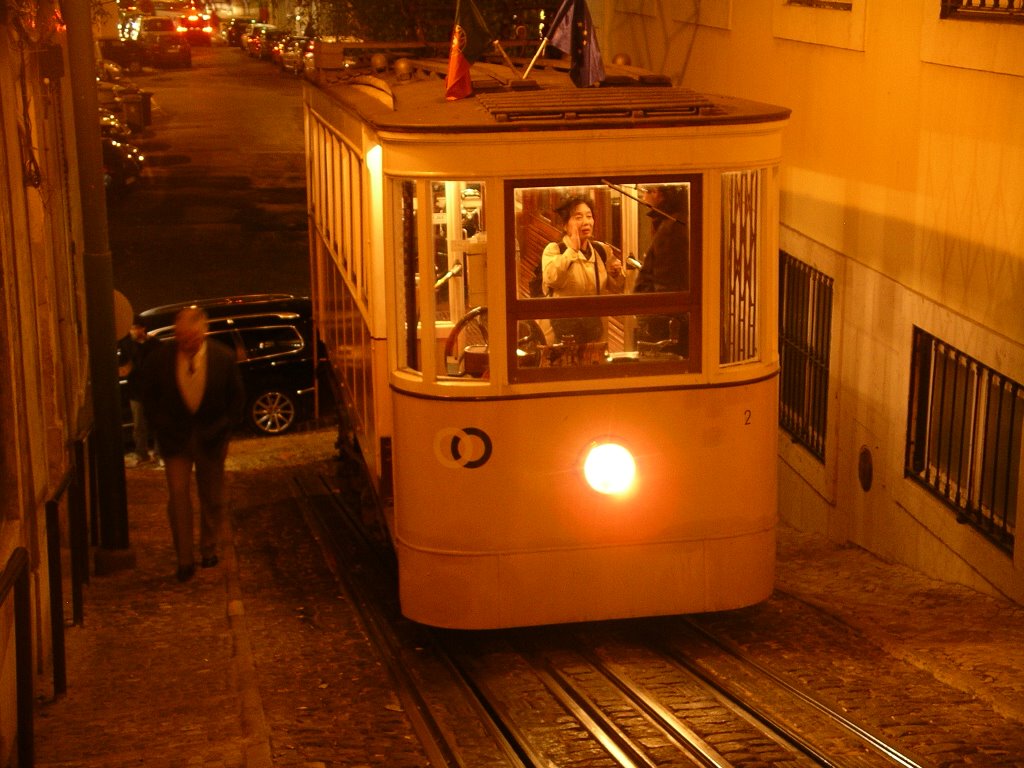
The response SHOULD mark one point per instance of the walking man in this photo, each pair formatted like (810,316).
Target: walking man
(193,399)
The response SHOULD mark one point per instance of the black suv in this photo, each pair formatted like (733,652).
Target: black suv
(272,335)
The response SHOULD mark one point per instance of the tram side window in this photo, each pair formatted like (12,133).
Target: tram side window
(606,272)
(452,237)
(407,303)
(741,258)
(460,288)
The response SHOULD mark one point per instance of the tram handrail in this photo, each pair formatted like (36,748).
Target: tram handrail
(15,577)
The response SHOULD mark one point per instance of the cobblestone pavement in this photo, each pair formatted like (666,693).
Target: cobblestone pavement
(262,662)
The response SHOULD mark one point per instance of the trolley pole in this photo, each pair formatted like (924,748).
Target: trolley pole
(97,267)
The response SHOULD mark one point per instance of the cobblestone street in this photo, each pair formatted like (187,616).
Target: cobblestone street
(262,661)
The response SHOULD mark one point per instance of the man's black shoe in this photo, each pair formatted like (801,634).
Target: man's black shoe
(186,572)
(209,562)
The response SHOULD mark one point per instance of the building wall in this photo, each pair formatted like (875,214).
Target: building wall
(43,363)
(902,179)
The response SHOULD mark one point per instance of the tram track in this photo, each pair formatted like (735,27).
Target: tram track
(652,692)
(873,742)
(454,730)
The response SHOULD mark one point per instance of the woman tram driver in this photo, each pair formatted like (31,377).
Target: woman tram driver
(580,266)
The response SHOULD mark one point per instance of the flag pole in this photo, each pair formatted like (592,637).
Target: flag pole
(540,50)
(562,10)
(505,58)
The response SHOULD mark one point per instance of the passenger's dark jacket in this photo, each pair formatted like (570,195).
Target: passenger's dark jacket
(667,263)
(132,354)
(219,411)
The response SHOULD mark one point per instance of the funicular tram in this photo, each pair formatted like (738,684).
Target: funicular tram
(534,475)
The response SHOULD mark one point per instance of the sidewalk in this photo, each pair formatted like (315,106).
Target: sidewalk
(169,675)
(162,673)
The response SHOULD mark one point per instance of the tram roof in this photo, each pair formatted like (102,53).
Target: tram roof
(409,95)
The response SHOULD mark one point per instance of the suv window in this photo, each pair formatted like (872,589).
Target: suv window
(268,342)
(226,338)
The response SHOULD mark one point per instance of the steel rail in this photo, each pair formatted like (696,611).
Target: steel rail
(424,724)
(341,528)
(694,748)
(873,741)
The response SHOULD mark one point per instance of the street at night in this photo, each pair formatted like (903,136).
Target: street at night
(589,384)
(220,209)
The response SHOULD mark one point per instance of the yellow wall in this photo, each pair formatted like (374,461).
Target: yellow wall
(43,360)
(903,179)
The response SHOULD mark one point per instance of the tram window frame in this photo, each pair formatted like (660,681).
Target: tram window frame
(460,287)
(408,310)
(426,211)
(524,310)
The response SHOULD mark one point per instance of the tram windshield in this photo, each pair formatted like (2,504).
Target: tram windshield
(602,276)
(606,272)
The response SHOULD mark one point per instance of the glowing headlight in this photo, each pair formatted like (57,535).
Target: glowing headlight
(609,468)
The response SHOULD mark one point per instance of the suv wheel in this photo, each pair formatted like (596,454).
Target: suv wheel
(272,412)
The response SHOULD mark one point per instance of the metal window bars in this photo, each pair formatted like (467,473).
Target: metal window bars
(805,332)
(965,424)
(741,211)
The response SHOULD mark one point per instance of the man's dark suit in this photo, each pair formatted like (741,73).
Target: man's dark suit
(201,439)
(169,417)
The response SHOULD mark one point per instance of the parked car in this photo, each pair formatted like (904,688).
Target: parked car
(112,126)
(272,336)
(109,71)
(261,42)
(122,165)
(162,43)
(127,53)
(276,47)
(293,54)
(234,28)
(250,37)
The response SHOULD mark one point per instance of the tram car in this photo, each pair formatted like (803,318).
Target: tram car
(560,429)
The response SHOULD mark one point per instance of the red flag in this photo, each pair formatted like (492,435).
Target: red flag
(470,39)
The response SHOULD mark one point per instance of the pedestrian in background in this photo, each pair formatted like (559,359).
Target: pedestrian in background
(193,399)
(132,351)
(666,265)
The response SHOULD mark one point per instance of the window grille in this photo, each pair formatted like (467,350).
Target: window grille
(1011,11)
(964,437)
(805,332)
(741,211)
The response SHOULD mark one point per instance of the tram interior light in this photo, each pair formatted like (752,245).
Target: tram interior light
(609,468)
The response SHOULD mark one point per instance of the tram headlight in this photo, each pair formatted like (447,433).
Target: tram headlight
(609,468)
